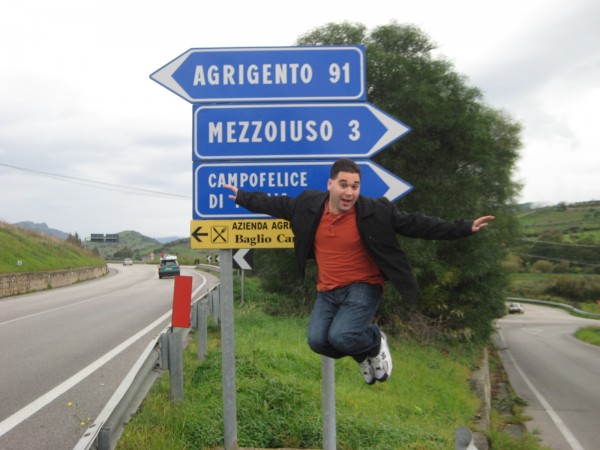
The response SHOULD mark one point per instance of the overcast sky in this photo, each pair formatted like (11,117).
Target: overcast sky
(80,118)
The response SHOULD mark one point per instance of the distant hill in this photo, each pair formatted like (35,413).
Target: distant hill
(166,240)
(43,228)
(131,244)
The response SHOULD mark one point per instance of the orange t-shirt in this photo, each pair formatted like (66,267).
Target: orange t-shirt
(341,257)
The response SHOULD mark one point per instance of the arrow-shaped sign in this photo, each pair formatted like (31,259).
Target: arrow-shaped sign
(292,131)
(241,259)
(321,73)
(196,235)
(278,178)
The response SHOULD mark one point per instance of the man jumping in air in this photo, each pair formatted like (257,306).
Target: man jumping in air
(352,238)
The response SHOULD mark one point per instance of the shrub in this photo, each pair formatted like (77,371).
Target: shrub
(542,266)
(574,288)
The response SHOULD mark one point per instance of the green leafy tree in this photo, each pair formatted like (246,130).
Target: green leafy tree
(459,156)
(124,252)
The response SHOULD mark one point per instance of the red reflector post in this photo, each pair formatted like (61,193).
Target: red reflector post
(182,301)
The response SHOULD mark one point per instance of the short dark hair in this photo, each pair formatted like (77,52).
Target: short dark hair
(343,165)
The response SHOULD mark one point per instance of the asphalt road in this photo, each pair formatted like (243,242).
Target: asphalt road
(65,351)
(558,375)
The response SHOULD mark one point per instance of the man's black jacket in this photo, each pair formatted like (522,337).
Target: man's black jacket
(377,220)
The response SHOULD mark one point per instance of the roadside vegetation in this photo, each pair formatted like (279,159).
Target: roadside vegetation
(24,250)
(278,380)
(591,335)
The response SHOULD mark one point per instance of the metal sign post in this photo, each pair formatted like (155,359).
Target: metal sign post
(328,401)
(228,349)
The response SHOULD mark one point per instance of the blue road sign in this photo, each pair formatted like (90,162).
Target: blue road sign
(212,75)
(290,178)
(292,131)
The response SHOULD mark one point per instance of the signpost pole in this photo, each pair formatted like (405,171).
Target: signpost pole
(228,349)
(328,399)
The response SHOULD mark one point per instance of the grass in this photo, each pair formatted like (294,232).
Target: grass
(279,404)
(38,252)
(278,381)
(591,335)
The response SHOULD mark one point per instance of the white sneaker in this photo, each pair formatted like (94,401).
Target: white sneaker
(367,371)
(382,363)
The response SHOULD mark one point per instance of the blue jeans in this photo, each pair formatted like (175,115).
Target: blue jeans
(340,322)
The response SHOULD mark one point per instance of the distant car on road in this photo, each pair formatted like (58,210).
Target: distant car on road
(168,267)
(128,262)
(515,308)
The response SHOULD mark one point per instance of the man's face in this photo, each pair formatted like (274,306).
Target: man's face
(343,192)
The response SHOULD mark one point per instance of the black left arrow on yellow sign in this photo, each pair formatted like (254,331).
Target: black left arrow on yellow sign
(196,234)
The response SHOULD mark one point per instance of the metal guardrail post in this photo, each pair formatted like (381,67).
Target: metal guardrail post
(194,318)
(164,351)
(215,306)
(175,366)
(209,299)
(202,327)
(104,442)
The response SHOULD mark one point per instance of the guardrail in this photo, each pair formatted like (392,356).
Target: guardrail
(557,304)
(106,430)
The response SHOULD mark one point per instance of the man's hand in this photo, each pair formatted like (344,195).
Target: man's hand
(480,223)
(233,189)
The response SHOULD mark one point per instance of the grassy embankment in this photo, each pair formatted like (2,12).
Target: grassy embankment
(279,394)
(38,252)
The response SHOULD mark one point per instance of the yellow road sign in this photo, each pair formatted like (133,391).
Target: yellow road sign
(245,233)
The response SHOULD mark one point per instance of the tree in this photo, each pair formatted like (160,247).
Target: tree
(123,252)
(74,239)
(459,156)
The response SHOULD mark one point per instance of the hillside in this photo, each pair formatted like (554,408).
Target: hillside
(24,250)
(563,234)
(573,221)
